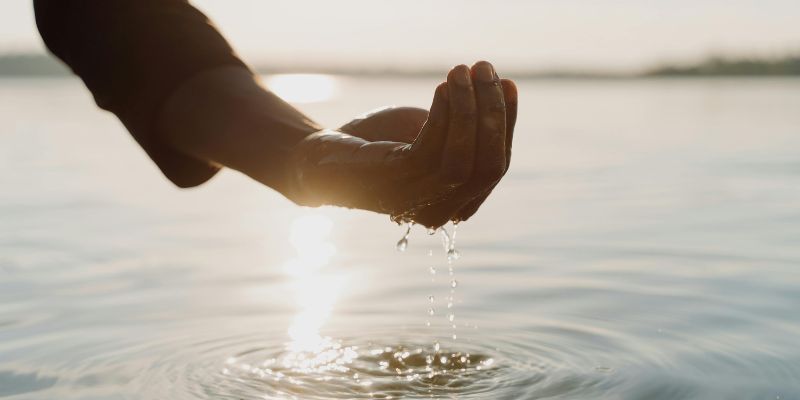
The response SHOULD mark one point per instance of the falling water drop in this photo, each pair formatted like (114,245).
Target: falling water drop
(432,270)
(453,254)
(445,239)
(402,244)
(431,311)
(453,283)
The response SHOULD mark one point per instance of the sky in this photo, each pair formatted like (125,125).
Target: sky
(518,34)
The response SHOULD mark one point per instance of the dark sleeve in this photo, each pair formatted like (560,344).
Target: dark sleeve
(132,54)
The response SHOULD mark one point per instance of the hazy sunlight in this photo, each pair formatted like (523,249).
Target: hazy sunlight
(303,88)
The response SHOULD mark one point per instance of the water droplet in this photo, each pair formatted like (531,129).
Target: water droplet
(453,283)
(443,360)
(449,304)
(451,317)
(445,239)
(431,311)
(453,254)
(436,346)
(402,244)
(433,270)
(431,231)
(431,298)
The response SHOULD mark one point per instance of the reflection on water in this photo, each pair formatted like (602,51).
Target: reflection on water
(303,88)
(315,291)
(332,365)
(644,251)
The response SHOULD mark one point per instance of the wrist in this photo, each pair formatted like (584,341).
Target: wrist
(310,159)
(226,118)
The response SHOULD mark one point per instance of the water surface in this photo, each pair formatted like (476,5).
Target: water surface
(644,245)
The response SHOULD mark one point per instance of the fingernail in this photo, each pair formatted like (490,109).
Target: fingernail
(462,76)
(485,72)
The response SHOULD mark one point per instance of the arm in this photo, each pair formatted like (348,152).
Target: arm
(194,107)
(243,126)
(132,55)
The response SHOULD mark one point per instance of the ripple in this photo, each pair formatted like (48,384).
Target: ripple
(353,367)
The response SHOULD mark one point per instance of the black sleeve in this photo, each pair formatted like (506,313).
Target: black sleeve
(132,54)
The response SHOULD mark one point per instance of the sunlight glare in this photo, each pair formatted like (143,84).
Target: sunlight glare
(303,88)
(315,291)
(308,235)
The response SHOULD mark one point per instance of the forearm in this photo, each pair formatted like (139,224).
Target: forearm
(133,55)
(227,118)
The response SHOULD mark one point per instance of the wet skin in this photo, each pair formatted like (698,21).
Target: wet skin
(417,166)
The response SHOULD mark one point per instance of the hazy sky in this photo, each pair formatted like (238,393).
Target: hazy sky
(513,33)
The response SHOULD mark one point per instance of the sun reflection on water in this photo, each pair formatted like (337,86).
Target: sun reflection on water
(315,294)
(303,88)
(311,363)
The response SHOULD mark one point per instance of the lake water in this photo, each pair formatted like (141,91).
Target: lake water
(644,245)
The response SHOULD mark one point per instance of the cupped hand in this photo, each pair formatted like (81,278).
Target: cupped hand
(416,166)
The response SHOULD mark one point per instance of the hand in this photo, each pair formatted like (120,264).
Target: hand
(425,171)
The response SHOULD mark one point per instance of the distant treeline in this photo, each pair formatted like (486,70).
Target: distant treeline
(43,65)
(31,65)
(721,66)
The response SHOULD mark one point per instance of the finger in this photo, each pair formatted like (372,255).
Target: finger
(490,155)
(471,207)
(490,159)
(429,219)
(511,98)
(432,136)
(459,149)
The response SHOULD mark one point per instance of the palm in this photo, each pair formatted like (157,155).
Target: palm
(416,165)
(394,124)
